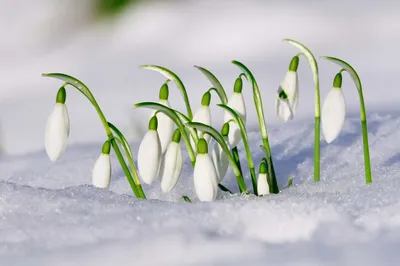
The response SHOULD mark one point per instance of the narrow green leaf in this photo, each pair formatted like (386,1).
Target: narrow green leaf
(215,82)
(172,114)
(172,76)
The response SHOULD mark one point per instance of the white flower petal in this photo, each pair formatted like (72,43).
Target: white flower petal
(171,167)
(165,127)
(202,115)
(205,178)
(237,103)
(290,86)
(333,114)
(262,185)
(149,157)
(57,131)
(220,161)
(101,174)
(283,110)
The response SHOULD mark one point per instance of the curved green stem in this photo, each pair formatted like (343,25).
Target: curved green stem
(172,76)
(172,114)
(80,86)
(125,145)
(363,114)
(219,95)
(235,154)
(245,139)
(215,82)
(312,62)
(218,137)
(260,114)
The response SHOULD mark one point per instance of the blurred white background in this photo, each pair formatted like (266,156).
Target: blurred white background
(106,52)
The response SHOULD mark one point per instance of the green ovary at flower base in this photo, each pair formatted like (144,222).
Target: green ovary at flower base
(314,69)
(63,127)
(363,116)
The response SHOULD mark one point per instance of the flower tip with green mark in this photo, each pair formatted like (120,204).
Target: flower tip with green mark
(202,146)
(177,136)
(238,85)
(225,130)
(337,82)
(262,180)
(101,174)
(206,99)
(164,92)
(61,95)
(153,123)
(294,64)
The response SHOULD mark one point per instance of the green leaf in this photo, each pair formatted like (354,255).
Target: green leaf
(192,131)
(215,82)
(243,132)
(172,76)
(172,114)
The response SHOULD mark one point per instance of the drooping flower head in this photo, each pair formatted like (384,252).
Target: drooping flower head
(220,159)
(203,115)
(236,102)
(262,181)
(288,93)
(165,124)
(149,154)
(57,127)
(101,174)
(333,111)
(205,176)
(171,166)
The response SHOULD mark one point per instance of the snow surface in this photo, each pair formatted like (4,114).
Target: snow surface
(51,215)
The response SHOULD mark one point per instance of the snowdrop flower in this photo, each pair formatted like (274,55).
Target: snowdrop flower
(288,93)
(203,115)
(333,111)
(262,181)
(57,127)
(205,176)
(165,124)
(149,154)
(219,157)
(236,102)
(171,167)
(101,174)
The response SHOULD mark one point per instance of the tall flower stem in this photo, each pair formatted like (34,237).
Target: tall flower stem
(363,115)
(260,114)
(235,154)
(136,188)
(312,62)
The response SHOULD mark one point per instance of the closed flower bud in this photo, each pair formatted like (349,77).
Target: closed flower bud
(262,181)
(236,102)
(165,124)
(205,176)
(101,174)
(171,166)
(333,111)
(220,159)
(57,128)
(149,154)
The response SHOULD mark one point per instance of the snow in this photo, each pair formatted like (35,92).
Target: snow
(51,215)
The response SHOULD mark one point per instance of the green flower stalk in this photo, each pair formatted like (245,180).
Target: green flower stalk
(261,120)
(317,127)
(69,80)
(363,115)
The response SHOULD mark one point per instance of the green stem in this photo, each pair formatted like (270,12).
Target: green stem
(137,189)
(187,199)
(223,188)
(367,162)
(254,180)
(235,154)
(317,149)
